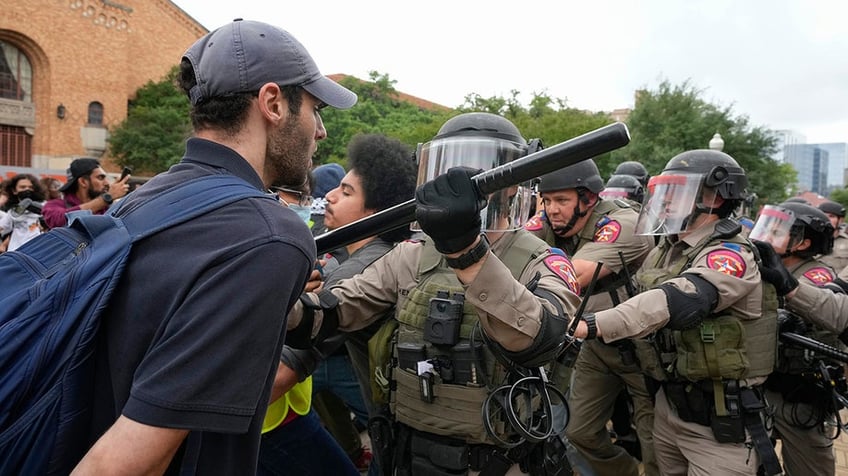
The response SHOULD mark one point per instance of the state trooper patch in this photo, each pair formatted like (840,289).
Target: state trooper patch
(536,223)
(819,275)
(608,233)
(563,268)
(727,262)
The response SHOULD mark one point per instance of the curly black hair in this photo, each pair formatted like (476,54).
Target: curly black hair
(387,170)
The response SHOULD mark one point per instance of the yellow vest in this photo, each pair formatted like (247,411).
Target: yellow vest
(298,400)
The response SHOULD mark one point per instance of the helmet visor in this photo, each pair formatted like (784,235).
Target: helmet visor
(508,208)
(615,192)
(774,226)
(668,204)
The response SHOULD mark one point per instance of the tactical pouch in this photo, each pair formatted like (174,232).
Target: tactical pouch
(715,349)
(728,429)
(380,361)
(442,456)
(648,357)
(693,405)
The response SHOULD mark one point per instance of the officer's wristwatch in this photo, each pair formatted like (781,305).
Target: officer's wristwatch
(470,257)
(107,197)
(591,327)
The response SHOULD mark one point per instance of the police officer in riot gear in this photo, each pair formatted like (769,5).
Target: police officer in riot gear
(838,257)
(634,169)
(798,233)
(702,293)
(596,230)
(476,300)
(624,187)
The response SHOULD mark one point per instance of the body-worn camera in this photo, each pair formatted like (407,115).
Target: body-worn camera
(444,319)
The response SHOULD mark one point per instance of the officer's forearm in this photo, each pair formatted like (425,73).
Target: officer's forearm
(637,317)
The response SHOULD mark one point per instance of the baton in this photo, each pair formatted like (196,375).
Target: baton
(811,344)
(582,147)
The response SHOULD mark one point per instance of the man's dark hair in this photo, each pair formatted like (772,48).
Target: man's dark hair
(386,168)
(227,113)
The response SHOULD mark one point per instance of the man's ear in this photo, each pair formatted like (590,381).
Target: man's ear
(272,102)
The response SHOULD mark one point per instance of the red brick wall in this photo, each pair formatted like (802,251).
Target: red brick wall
(92,50)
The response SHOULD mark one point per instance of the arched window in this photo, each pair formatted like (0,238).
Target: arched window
(95,113)
(15,74)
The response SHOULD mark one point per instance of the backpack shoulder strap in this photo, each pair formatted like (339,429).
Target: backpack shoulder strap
(177,205)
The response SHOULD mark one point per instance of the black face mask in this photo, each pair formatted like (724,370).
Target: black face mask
(25,194)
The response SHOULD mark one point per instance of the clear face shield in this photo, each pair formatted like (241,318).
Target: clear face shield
(615,192)
(669,204)
(508,209)
(774,226)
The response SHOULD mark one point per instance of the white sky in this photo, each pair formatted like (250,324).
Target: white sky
(782,63)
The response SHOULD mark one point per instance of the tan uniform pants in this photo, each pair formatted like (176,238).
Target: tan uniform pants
(807,452)
(684,448)
(599,376)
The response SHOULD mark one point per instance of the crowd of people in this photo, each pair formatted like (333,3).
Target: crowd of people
(622,326)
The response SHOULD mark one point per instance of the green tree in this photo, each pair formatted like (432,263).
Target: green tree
(380,109)
(840,195)
(152,137)
(673,119)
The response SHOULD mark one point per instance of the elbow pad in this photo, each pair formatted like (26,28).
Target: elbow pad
(301,336)
(548,342)
(687,311)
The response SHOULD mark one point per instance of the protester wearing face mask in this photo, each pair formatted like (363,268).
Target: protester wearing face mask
(22,220)
(297,198)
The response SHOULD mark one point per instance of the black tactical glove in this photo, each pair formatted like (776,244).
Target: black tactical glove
(448,209)
(773,270)
(789,322)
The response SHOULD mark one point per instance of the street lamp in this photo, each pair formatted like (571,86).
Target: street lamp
(717,143)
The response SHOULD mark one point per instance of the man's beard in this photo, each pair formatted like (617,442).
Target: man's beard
(286,154)
(92,194)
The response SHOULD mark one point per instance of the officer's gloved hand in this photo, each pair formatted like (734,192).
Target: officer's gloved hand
(448,209)
(773,270)
(789,322)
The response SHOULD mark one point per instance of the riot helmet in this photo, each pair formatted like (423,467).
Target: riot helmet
(835,212)
(693,183)
(485,141)
(624,186)
(584,179)
(633,169)
(583,174)
(796,200)
(832,208)
(788,224)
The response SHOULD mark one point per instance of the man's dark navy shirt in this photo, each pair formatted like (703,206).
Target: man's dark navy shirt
(192,335)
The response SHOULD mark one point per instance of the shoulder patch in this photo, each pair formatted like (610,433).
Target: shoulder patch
(536,223)
(563,268)
(608,232)
(819,275)
(727,262)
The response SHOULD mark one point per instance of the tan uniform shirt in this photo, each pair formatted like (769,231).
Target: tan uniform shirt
(509,313)
(608,231)
(838,258)
(820,306)
(731,269)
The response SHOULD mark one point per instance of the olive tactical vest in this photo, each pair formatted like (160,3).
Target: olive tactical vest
(725,345)
(456,405)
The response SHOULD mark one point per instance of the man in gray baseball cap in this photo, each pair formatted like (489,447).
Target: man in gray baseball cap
(186,364)
(244,55)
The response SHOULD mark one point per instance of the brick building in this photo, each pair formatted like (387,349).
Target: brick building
(69,67)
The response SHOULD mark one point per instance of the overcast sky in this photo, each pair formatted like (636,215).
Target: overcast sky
(782,63)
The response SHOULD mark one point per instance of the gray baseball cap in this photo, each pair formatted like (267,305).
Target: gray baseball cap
(245,55)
